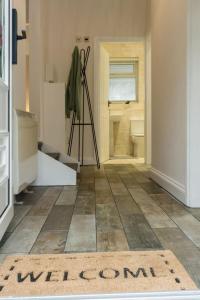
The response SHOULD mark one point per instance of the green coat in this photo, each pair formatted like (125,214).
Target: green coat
(73,88)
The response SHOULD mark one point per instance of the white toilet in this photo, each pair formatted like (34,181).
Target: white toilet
(137,138)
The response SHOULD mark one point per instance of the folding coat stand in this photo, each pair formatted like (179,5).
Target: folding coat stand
(81,124)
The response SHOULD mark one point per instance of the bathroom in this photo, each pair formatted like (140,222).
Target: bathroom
(126,101)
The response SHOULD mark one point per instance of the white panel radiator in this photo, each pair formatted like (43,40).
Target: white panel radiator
(25,150)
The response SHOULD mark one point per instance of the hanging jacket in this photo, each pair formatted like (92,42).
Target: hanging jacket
(73,88)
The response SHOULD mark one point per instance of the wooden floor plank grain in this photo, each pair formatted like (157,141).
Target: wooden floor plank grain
(107,217)
(20,212)
(183,219)
(82,234)
(24,236)
(59,218)
(114,240)
(67,197)
(50,242)
(188,254)
(155,215)
(139,234)
(114,208)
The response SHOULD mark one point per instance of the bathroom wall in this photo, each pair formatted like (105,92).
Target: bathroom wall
(121,130)
(67,19)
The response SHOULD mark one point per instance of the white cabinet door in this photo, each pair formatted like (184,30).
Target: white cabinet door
(6,200)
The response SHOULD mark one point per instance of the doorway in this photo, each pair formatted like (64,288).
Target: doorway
(121,109)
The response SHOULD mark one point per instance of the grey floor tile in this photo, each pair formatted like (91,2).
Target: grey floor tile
(119,189)
(188,254)
(140,178)
(43,206)
(156,217)
(183,219)
(53,191)
(104,199)
(85,204)
(126,205)
(82,234)
(152,188)
(20,211)
(114,240)
(59,218)
(67,197)
(107,217)
(139,234)
(102,184)
(129,180)
(24,236)
(50,242)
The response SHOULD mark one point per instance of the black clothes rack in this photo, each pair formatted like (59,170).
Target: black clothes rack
(81,123)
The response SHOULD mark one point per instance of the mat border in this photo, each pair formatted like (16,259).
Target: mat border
(188,295)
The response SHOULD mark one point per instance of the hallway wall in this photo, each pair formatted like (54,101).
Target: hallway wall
(169,93)
(67,19)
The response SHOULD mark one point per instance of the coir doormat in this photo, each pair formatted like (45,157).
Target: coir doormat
(91,273)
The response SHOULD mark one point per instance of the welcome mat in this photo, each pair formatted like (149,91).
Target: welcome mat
(92,273)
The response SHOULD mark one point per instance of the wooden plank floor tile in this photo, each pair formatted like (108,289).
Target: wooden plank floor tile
(85,204)
(107,217)
(152,188)
(188,254)
(129,180)
(126,205)
(59,218)
(169,205)
(67,197)
(82,234)
(53,191)
(50,242)
(114,240)
(195,212)
(102,184)
(184,220)
(24,236)
(140,177)
(20,211)
(119,189)
(156,217)
(104,198)
(43,206)
(139,234)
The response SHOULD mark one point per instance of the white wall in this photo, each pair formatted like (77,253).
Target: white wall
(67,19)
(19,70)
(37,15)
(169,93)
(193,106)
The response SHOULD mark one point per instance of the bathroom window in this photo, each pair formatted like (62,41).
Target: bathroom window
(123,85)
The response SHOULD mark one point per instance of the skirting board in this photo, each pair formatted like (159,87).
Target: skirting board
(169,184)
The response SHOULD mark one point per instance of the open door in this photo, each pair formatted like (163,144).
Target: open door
(104,110)
(6,201)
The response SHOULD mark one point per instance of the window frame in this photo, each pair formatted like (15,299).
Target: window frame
(125,61)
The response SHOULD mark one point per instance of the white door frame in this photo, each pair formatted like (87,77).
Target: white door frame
(97,44)
(188,295)
(6,84)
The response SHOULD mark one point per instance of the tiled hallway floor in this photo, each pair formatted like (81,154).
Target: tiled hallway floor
(112,209)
